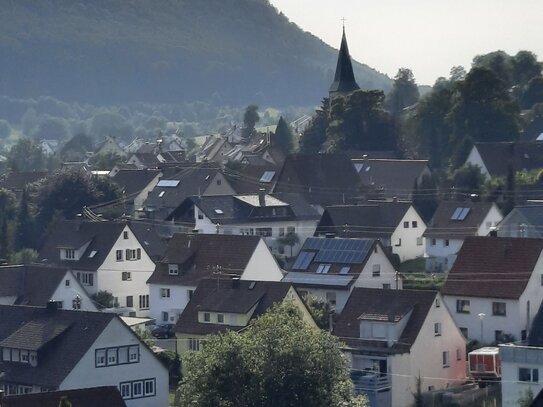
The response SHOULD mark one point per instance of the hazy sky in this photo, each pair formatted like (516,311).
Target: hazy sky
(427,36)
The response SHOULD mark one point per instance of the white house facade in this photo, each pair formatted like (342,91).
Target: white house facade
(407,240)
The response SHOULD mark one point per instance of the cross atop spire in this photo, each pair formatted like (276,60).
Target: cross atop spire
(344,81)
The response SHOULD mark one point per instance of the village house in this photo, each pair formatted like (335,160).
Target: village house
(398,225)
(522,366)
(48,349)
(332,268)
(451,224)
(104,256)
(135,185)
(523,221)
(494,288)
(273,217)
(394,338)
(230,305)
(36,285)
(191,257)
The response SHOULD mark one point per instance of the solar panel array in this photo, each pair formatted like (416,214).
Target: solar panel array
(303,260)
(350,251)
(168,183)
(267,176)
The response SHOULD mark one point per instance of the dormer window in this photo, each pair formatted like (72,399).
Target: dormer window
(173,269)
(69,254)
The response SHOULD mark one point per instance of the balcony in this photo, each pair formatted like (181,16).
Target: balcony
(368,381)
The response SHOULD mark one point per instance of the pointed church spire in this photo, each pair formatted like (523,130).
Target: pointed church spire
(344,81)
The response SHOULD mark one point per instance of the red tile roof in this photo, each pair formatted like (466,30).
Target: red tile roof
(494,267)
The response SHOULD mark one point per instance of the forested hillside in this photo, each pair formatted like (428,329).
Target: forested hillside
(230,52)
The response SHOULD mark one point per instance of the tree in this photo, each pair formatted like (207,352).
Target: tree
(277,361)
(526,398)
(320,310)
(315,134)
(76,148)
(51,128)
(103,298)
(24,236)
(290,239)
(26,155)
(283,136)
(64,402)
(68,192)
(25,256)
(7,217)
(467,180)
(404,92)
(250,118)
(533,93)
(103,162)
(483,109)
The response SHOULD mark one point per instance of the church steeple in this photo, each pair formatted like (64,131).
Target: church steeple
(344,81)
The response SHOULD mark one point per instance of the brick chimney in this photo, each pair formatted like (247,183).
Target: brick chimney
(262,197)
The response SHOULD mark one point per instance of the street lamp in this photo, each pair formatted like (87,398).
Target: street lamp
(481,316)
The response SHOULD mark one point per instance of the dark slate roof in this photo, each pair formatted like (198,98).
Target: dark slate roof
(62,337)
(373,220)
(32,284)
(392,177)
(538,401)
(344,78)
(498,156)
(133,181)
(90,397)
(323,179)
(235,209)
(198,255)
(248,179)
(193,180)
(149,160)
(494,267)
(389,305)
(442,226)
(533,130)
(152,237)
(73,234)
(216,296)
(18,180)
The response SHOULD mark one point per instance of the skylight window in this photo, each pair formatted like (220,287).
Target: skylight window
(92,254)
(161,194)
(168,183)
(267,176)
(460,213)
(323,268)
(219,211)
(344,270)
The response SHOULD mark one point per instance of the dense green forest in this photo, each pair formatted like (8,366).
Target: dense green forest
(228,52)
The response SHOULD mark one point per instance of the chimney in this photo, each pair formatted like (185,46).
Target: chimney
(262,197)
(235,282)
(1,397)
(493,232)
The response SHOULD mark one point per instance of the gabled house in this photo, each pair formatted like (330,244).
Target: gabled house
(497,158)
(214,149)
(144,160)
(389,178)
(179,182)
(230,305)
(395,337)
(250,178)
(88,397)
(398,225)
(103,256)
(323,179)
(135,185)
(494,288)
(37,285)
(48,349)
(523,221)
(271,216)
(522,367)
(109,146)
(331,268)
(190,258)
(451,224)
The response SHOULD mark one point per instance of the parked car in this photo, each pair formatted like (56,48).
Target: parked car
(163,331)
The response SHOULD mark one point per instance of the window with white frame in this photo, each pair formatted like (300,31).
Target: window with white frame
(173,269)
(100,357)
(445,359)
(119,255)
(126,276)
(207,317)
(437,329)
(414,224)
(137,389)
(420,241)
(117,355)
(149,387)
(220,318)
(499,308)
(85,278)
(111,356)
(69,254)
(194,344)
(462,306)
(264,232)
(126,390)
(133,254)
(165,292)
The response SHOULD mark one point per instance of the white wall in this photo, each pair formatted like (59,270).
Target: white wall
(387,272)
(109,275)
(86,374)
(404,240)
(425,358)
(67,294)
(174,306)
(491,220)
(475,158)
(441,257)
(262,265)
(512,358)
